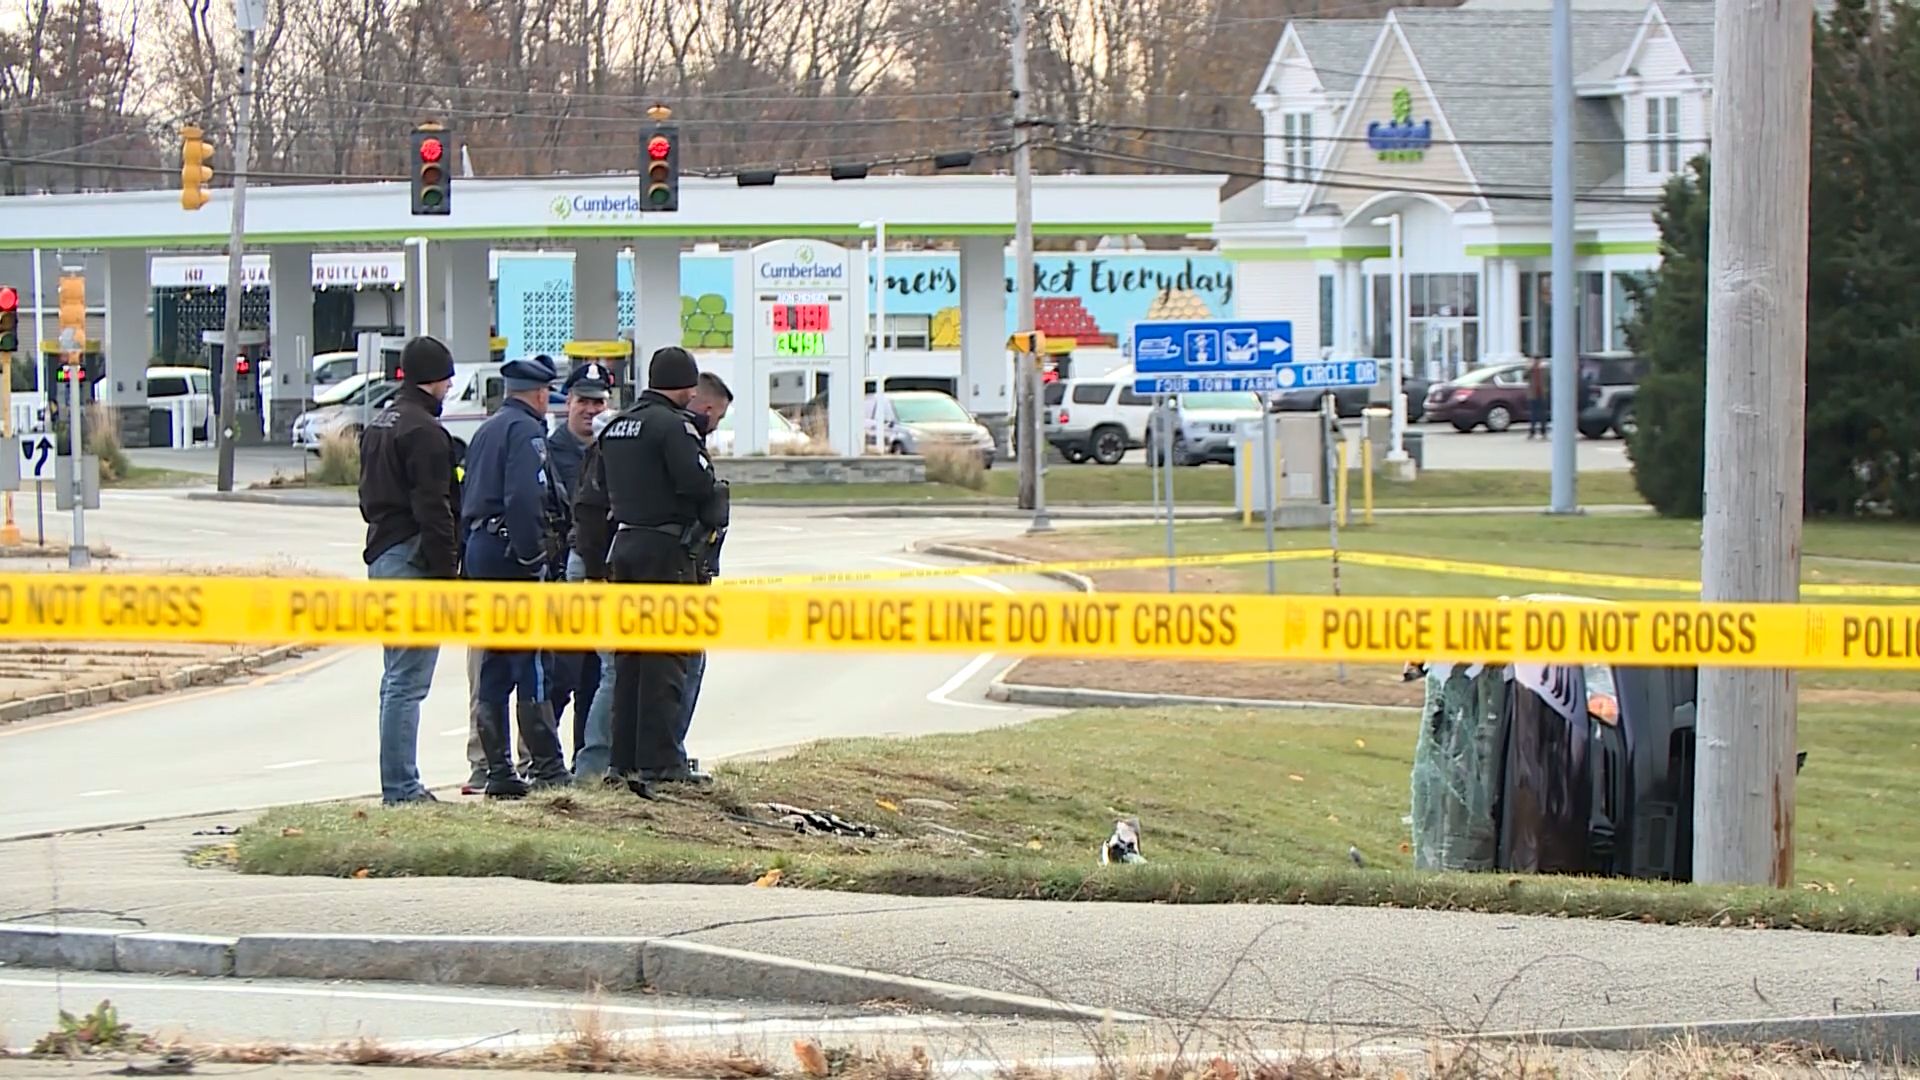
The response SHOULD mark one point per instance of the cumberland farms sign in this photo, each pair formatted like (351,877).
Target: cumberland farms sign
(1400,139)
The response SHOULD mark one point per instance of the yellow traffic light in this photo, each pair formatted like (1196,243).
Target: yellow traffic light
(73,306)
(195,172)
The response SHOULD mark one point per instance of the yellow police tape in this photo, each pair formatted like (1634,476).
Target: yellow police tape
(1082,566)
(70,607)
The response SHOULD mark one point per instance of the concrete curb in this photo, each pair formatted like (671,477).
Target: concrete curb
(968,553)
(663,965)
(207,674)
(294,497)
(1062,697)
(1859,1036)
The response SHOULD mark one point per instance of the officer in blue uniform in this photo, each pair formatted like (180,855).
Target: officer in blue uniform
(513,518)
(576,674)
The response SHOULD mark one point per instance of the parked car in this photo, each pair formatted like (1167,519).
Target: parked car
(915,421)
(344,415)
(1203,425)
(1350,401)
(1608,383)
(1098,419)
(1494,395)
(783,436)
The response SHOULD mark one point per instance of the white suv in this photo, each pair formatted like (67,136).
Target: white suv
(1097,419)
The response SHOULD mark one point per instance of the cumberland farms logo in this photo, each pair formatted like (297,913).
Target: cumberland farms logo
(803,265)
(595,207)
(1401,139)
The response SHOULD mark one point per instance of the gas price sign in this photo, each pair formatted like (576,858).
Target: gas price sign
(800,323)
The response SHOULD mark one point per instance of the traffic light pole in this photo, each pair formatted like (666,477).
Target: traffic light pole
(236,254)
(1027,377)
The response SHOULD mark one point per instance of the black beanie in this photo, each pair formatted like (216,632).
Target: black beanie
(672,368)
(425,360)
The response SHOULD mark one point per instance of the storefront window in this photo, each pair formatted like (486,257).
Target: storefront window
(1443,328)
(1382,316)
(1326,311)
(1592,312)
(1623,308)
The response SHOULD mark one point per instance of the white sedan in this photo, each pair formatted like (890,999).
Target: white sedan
(310,427)
(783,436)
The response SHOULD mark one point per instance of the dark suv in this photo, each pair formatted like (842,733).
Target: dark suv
(1608,382)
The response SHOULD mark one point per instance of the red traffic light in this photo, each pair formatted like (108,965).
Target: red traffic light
(9,298)
(431,150)
(658,147)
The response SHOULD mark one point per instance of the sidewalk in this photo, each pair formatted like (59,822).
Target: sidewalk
(1363,966)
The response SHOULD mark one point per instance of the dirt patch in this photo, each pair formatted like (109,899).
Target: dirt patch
(1364,684)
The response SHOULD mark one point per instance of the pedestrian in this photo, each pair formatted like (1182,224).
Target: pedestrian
(1538,384)
(514,521)
(709,405)
(649,485)
(409,496)
(592,759)
(576,673)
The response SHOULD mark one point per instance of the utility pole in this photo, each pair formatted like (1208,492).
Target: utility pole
(1747,727)
(1027,376)
(236,249)
(1565,371)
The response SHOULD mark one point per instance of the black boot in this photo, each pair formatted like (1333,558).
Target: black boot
(497,743)
(541,734)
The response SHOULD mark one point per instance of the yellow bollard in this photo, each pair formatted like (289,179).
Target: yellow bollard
(1340,485)
(1246,495)
(1366,480)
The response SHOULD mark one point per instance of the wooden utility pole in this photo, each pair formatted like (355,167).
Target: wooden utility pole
(1748,720)
(236,259)
(1026,380)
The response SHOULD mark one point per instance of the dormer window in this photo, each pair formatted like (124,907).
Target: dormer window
(1296,148)
(1663,135)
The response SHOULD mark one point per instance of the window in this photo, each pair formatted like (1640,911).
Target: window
(1623,308)
(1663,135)
(1296,148)
(927,408)
(1326,311)
(1092,393)
(167,386)
(906,332)
(1592,312)
(1130,396)
(1382,316)
(1054,393)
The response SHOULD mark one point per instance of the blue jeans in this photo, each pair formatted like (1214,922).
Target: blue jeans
(696,670)
(406,676)
(595,753)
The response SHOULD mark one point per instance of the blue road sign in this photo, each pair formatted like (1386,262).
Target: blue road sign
(1328,374)
(1219,354)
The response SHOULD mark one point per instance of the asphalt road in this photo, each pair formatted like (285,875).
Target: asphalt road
(1446,449)
(306,730)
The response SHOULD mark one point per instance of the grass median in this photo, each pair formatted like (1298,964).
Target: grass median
(1234,806)
(1207,485)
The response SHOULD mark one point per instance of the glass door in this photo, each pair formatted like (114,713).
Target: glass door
(1445,353)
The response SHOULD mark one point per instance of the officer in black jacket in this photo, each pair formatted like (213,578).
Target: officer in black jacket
(513,520)
(648,484)
(409,496)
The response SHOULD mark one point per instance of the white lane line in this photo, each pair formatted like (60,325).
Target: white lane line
(200,986)
(302,763)
(452,731)
(97,794)
(942,694)
(783,1026)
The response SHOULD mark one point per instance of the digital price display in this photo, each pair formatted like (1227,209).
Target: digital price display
(801,329)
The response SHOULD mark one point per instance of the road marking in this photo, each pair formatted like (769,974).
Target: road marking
(941,695)
(158,700)
(201,986)
(97,794)
(302,763)
(452,731)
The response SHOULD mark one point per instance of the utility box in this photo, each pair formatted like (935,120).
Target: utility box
(1299,469)
(63,481)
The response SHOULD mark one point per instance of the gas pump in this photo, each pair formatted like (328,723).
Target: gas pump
(249,412)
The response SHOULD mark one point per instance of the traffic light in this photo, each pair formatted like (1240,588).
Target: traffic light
(195,172)
(660,168)
(73,309)
(432,180)
(9,319)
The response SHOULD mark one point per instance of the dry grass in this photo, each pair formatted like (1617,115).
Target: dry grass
(958,466)
(339,459)
(102,435)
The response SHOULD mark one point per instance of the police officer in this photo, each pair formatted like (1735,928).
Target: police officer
(515,529)
(709,406)
(576,675)
(648,484)
(409,496)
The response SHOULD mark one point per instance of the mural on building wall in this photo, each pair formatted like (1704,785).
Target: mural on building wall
(1090,297)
